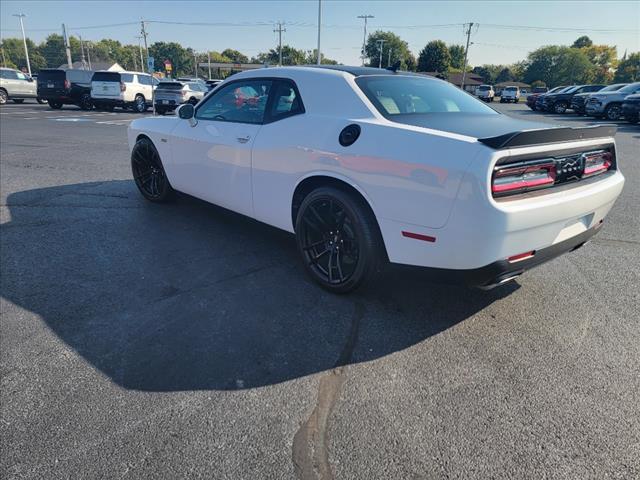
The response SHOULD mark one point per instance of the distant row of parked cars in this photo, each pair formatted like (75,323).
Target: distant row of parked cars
(104,90)
(613,102)
(508,94)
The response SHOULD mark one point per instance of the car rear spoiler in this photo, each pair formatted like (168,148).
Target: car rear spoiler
(548,135)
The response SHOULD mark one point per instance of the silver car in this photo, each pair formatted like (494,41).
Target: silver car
(609,104)
(16,86)
(169,95)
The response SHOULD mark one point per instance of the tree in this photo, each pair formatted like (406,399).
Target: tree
(604,59)
(628,69)
(582,42)
(434,57)
(53,50)
(235,56)
(392,43)
(312,58)
(505,75)
(559,65)
(537,83)
(181,58)
(456,52)
(290,56)
(13,49)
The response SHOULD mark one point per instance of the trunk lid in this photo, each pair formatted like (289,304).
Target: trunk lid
(105,85)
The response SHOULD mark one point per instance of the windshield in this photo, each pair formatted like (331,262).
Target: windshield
(484,87)
(398,95)
(511,89)
(613,88)
(570,89)
(632,87)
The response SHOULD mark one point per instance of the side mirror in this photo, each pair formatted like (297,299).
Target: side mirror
(187,112)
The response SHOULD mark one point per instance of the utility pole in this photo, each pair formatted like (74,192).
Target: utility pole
(4,60)
(381,43)
(319,26)
(24,40)
(195,63)
(139,37)
(389,61)
(466,52)
(84,62)
(89,54)
(364,40)
(143,32)
(279,30)
(209,62)
(66,46)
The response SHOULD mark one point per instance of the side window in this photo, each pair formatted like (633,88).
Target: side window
(286,101)
(126,77)
(9,75)
(144,79)
(243,102)
(21,76)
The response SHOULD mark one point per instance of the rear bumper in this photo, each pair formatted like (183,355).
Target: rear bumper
(116,102)
(502,271)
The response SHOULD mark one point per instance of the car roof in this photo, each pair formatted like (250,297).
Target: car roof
(362,71)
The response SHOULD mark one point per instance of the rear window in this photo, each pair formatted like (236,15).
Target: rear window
(106,77)
(401,95)
(511,89)
(484,87)
(170,86)
(51,75)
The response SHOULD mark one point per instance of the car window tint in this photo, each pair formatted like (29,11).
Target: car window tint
(243,102)
(9,74)
(126,77)
(144,79)
(398,95)
(21,76)
(285,101)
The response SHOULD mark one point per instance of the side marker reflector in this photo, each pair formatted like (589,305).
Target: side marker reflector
(521,256)
(418,236)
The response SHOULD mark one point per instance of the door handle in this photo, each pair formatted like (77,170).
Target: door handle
(244,139)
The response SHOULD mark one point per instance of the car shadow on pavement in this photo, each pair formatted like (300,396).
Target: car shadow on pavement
(189,296)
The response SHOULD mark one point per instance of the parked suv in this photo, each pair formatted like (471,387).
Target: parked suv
(16,86)
(65,87)
(485,92)
(561,101)
(170,95)
(578,101)
(510,94)
(539,92)
(609,104)
(122,89)
(631,108)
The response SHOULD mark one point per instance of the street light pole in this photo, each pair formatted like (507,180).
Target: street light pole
(364,40)
(319,26)
(24,39)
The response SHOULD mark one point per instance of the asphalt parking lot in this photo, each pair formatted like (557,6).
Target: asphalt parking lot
(184,341)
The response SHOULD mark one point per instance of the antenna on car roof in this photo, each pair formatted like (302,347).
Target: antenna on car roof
(394,68)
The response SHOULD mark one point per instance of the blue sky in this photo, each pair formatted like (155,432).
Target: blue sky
(417,22)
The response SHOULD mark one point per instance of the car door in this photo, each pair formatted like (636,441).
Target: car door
(11,83)
(24,86)
(211,157)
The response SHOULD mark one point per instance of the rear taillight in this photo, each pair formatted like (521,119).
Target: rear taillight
(67,84)
(123,87)
(517,179)
(595,163)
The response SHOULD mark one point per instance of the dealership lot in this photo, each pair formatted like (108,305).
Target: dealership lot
(185,341)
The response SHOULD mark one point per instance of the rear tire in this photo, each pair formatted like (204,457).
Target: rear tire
(55,105)
(17,100)
(338,239)
(149,174)
(139,104)
(85,102)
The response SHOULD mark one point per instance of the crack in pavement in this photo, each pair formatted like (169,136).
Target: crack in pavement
(310,443)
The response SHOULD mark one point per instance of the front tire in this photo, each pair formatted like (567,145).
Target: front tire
(613,112)
(3,96)
(338,239)
(149,174)
(560,107)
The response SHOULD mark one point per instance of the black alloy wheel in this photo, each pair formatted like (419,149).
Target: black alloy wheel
(149,173)
(140,104)
(85,102)
(560,107)
(338,239)
(613,112)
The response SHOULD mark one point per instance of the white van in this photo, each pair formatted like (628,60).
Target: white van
(122,89)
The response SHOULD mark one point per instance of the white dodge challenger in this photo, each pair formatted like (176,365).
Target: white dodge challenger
(369,165)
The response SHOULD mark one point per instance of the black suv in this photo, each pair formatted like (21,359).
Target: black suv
(560,102)
(65,87)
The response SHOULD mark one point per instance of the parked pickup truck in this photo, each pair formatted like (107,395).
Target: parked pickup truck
(510,94)
(485,93)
